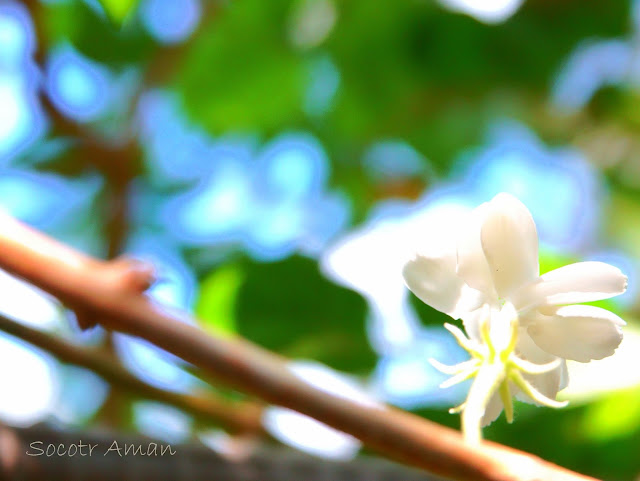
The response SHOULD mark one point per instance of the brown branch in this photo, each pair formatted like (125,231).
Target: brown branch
(104,288)
(237,418)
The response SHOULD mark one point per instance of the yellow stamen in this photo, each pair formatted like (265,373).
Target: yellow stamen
(494,366)
(456,368)
(505,396)
(458,378)
(532,392)
(464,342)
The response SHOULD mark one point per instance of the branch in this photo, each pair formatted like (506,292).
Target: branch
(88,285)
(237,418)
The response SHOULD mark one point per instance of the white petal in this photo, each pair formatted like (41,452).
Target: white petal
(472,264)
(564,376)
(471,322)
(493,409)
(572,284)
(548,383)
(579,333)
(510,244)
(434,281)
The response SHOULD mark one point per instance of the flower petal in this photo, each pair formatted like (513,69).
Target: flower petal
(572,284)
(471,322)
(434,281)
(472,264)
(548,383)
(510,243)
(493,409)
(564,376)
(580,333)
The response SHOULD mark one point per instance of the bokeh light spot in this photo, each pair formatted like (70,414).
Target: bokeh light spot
(170,21)
(29,383)
(78,86)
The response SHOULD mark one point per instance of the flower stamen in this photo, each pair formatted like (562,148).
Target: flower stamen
(464,342)
(531,368)
(493,365)
(505,396)
(457,409)
(460,377)
(456,368)
(532,392)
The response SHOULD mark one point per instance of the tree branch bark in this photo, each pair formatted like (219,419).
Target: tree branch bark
(235,417)
(104,288)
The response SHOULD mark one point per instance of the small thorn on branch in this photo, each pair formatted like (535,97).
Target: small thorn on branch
(124,274)
(129,274)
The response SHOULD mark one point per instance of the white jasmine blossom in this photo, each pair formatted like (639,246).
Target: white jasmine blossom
(521,326)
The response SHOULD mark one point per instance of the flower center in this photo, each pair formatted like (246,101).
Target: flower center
(495,368)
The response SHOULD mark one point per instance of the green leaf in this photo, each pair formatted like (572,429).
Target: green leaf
(615,416)
(254,82)
(117,10)
(289,307)
(217,297)
(76,23)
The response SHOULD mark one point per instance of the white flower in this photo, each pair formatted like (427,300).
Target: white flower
(521,326)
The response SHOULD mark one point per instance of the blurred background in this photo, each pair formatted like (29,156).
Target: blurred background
(273,158)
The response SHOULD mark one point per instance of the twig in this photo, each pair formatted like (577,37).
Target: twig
(88,285)
(237,418)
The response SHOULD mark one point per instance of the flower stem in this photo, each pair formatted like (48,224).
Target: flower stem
(487,381)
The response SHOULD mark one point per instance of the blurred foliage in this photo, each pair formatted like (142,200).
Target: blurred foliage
(427,314)
(217,298)
(78,24)
(118,9)
(407,69)
(289,307)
